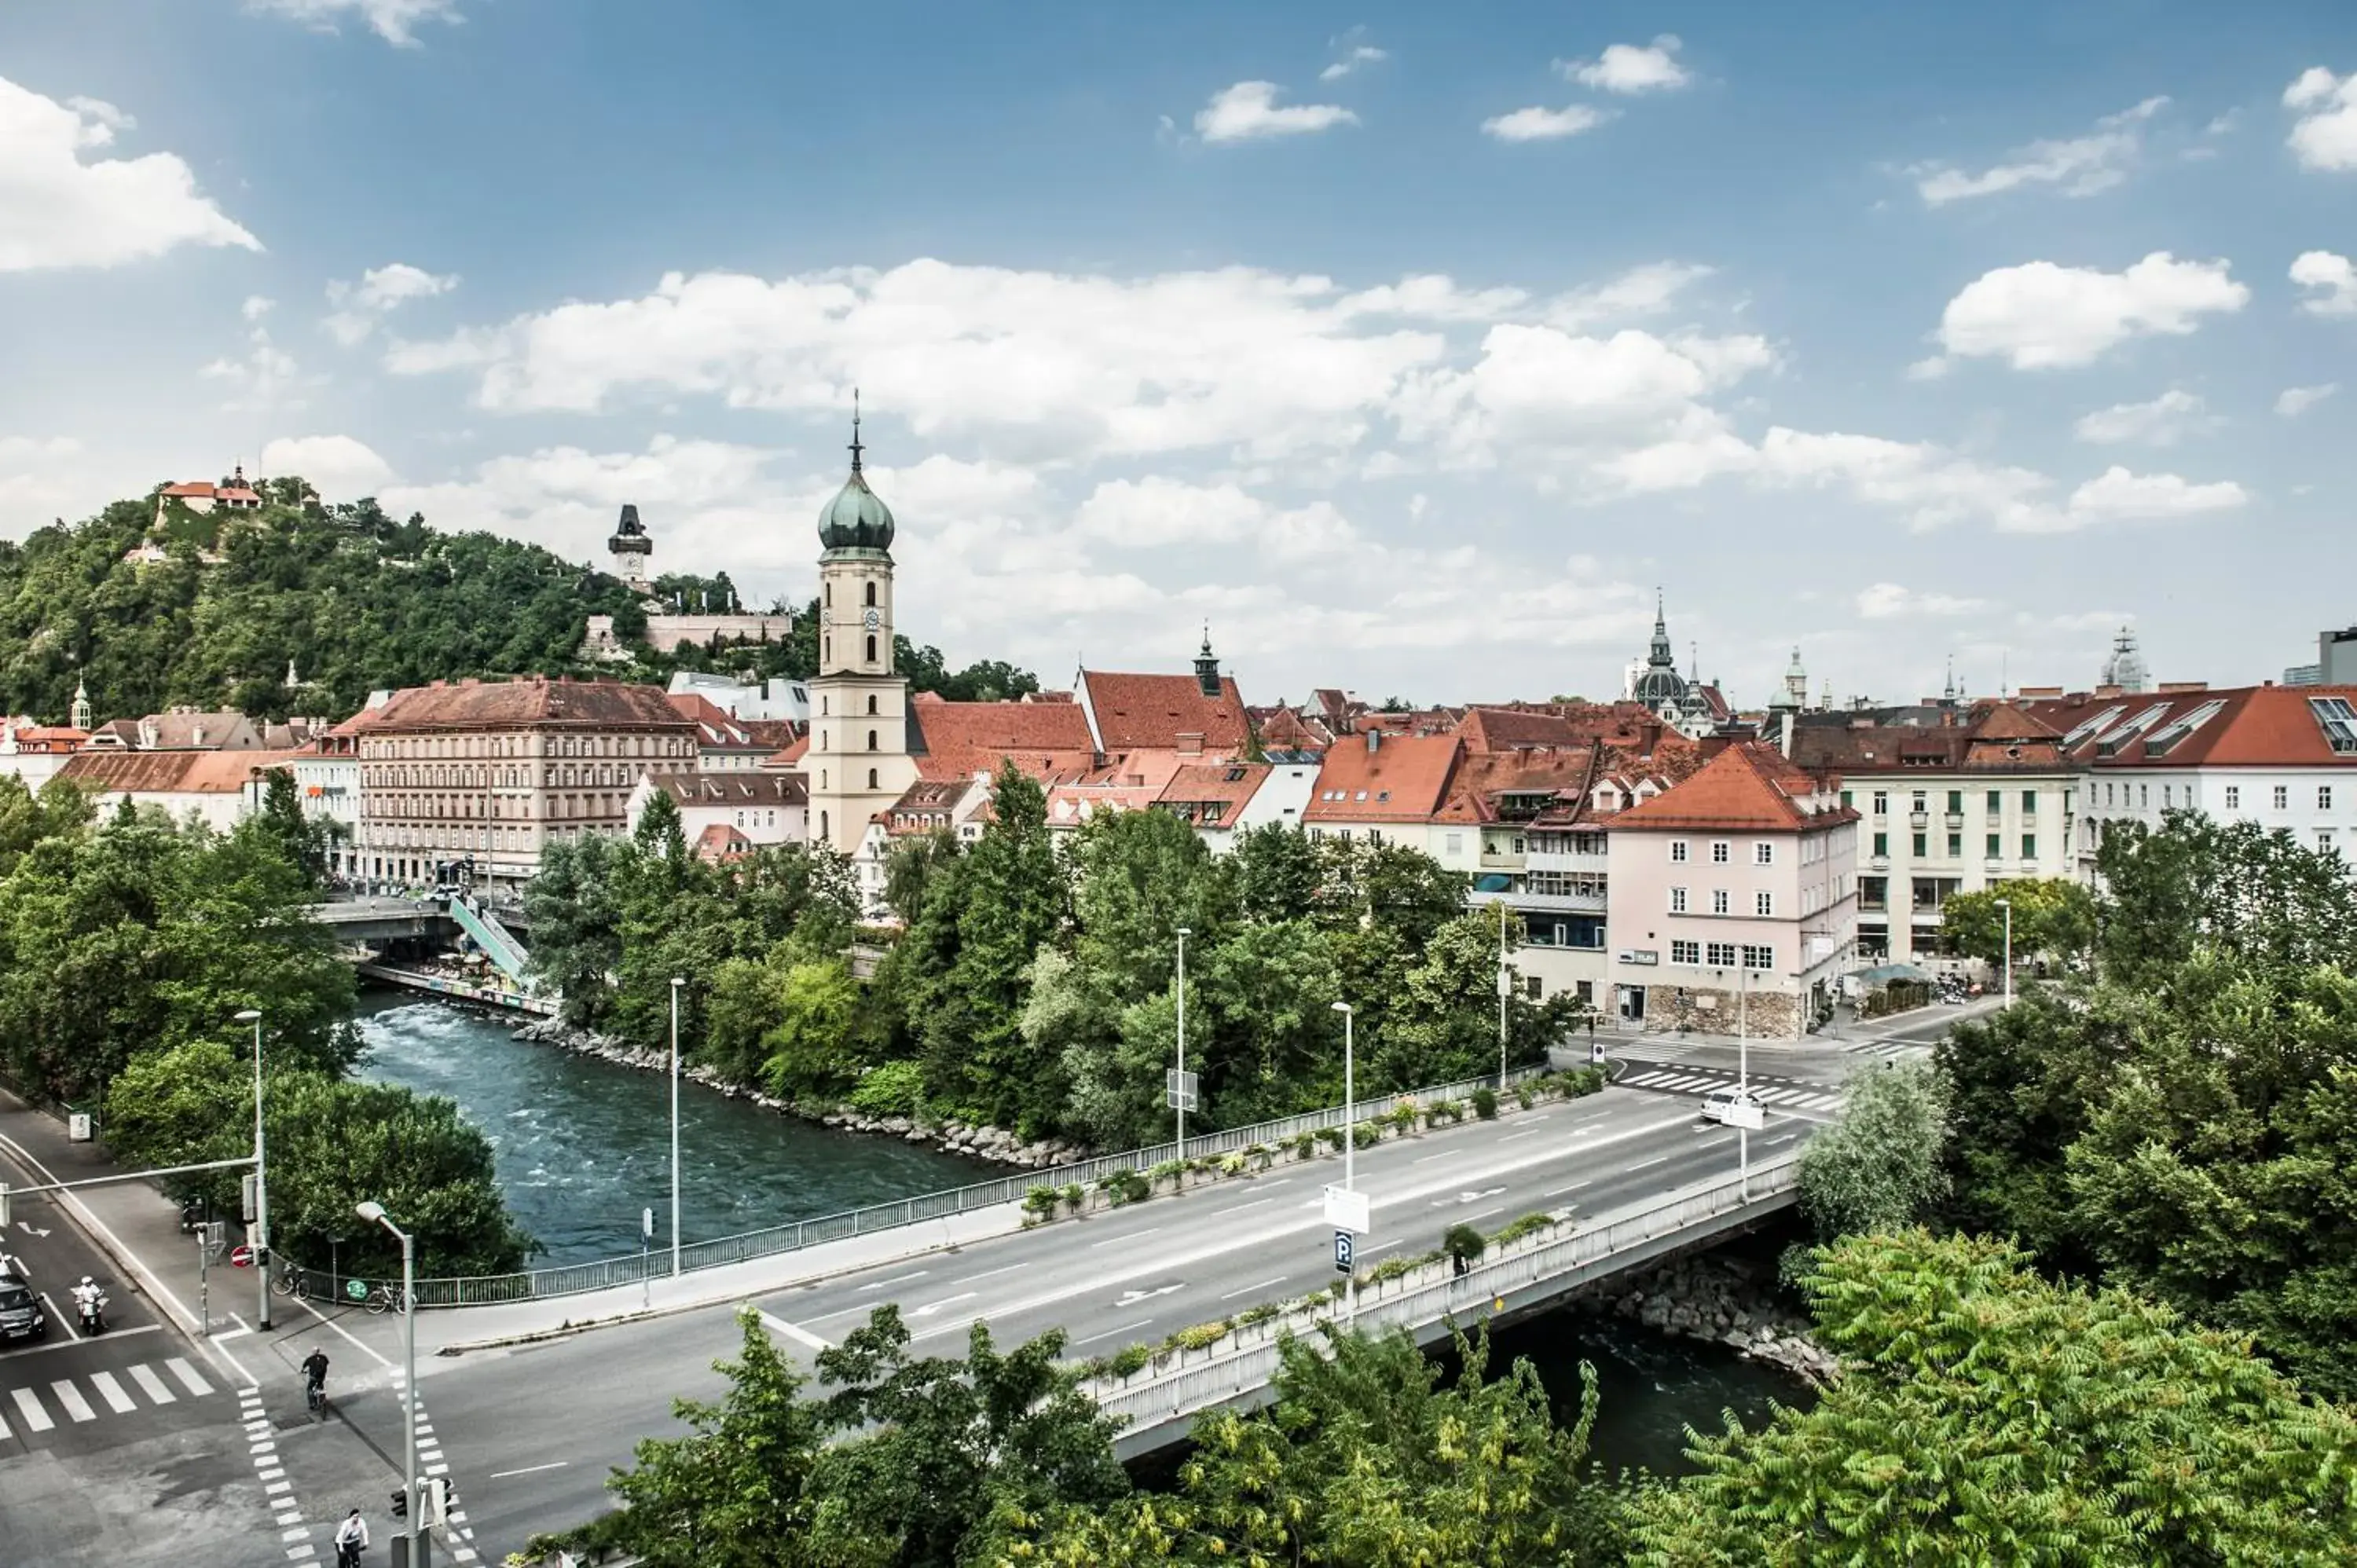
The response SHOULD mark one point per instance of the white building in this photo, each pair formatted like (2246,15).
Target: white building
(770,700)
(762,808)
(219,788)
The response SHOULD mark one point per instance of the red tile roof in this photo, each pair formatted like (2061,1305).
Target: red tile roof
(720,843)
(171,772)
(533,703)
(1133,711)
(1230,786)
(790,755)
(2252,726)
(1512,729)
(1483,777)
(1403,778)
(717,729)
(750,788)
(976,737)
(1747,785)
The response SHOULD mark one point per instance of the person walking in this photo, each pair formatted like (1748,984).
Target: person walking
(352,1539)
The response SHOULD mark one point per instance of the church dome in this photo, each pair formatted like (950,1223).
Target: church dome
(855,519)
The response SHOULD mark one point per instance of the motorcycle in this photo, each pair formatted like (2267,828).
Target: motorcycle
(92,1309)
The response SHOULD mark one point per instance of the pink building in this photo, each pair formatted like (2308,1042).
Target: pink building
(1733,898)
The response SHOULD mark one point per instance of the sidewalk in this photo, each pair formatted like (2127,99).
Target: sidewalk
(1617,1036)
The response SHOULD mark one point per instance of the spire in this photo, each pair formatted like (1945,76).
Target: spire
(1948,692)
(1207,666)
(856,447)
(80,714)
(1661,656)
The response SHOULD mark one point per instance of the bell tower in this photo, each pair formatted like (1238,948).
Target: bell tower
(857,761)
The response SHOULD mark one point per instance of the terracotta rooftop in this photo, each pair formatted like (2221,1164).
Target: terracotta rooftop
(1514,729)
(533,703)
(1537,776)
(2245,726)
(1133,711)
(716,728)
(1402,778)
(752,789)
(171,772)
(1228,786)
(965,738)
(1747,784)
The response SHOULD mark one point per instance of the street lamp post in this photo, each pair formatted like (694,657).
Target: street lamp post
(1178,1095)
(675,983)
(1743,1079)
(261,1181)
(1350,1139)
(2007,905)
(1503,984)
(373,1212)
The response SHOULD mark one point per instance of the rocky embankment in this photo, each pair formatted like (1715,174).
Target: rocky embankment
(956,1137)
(1729,1301)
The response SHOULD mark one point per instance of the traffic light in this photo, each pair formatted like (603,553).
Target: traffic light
(440,1499)
(400,1503)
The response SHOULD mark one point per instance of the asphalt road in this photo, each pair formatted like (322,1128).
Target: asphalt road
(535,1430)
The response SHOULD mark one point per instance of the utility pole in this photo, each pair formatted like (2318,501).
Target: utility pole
(1179,1096)
(675,983)
(1349,1146)
(261,1260)
(2007,905)
(413,1513)
(1743,1079)
(1503,984)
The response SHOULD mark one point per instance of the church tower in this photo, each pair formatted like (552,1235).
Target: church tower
(857,762)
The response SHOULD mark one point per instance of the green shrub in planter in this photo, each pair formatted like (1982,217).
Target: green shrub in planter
(1040,1203)
(1332,1137)
(1366,1135)
(1260,1314)
(1304,1145)
(1169,1171)
(1075,1196)
(1202,1335)
(1402,1116)
(1463,1243)
(1524,1096)
(1516,1229)
(1125,1187)
(1485,1105)
(1257,1156)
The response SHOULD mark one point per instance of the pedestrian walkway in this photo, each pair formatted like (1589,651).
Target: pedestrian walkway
(1780,1094)
(39,1406)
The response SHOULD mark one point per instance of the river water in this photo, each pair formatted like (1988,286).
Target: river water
(581,1145)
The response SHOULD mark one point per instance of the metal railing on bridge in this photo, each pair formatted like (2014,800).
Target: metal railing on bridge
(1180,1383)
(575,1279)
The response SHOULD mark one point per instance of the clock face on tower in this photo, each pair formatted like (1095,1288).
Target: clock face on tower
(872,619)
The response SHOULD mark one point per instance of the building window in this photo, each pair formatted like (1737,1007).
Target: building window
(2283,797)
(2233,797)
(871,650)
(871,593)
(871,740)
(1996,846)
(1881,846)
(2030,847)
(2324,841)
(1719,852)
(1882,802)
(1685,953)
(1677,851)
(1921,801)
(1722,955)
(1923,846)
(1759,957)
(1957,800)
(1847,802)
(1677,900)
(1718,901)
(1763,852)
(1455,844)
(1955,846)
(2324,796)
(1763,903)
(871,703)
(2144,796)
(1996,802)
(2029,802)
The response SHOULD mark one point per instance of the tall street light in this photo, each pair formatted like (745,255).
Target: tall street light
(1503,984)
(260,1180)
(373,1212)
(1178,1094)
(675,983)
(1743,1079)
(2007,905)
(1350,1139)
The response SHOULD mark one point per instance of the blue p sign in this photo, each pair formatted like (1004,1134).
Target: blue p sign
(1343,1251)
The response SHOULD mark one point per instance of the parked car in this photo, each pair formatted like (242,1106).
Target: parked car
(1719,1104)
(21,1317)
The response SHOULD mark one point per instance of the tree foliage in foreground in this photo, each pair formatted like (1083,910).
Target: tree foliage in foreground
(1988,1415)
(1879,1167)
(1367,1461)
(2052,917)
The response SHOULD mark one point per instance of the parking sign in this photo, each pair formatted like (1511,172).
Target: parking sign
(1342,1244)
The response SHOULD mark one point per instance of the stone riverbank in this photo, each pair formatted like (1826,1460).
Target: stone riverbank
(1728,1300)
(984,1143)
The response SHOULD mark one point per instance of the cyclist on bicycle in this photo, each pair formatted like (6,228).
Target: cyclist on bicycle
(315,1377)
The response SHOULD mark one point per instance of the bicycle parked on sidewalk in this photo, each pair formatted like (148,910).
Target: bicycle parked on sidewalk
(383,1299)
(292,1281)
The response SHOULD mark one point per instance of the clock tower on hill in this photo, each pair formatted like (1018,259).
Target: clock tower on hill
(857,761)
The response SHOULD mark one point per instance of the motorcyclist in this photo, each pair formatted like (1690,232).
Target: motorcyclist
(88,1300)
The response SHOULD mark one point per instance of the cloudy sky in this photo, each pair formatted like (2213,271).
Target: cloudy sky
(1410,346)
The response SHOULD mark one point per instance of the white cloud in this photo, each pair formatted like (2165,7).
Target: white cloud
(394,21)
(1157,510)
(1541,124)
(255,307)
(338,466)
(57,210)
(1890,601)
(1632,67)
(2325,135)
(2119,494)
(2322,270)
(380,291)
(2039,314)
(2165,421)
(1643,290)
(1931,369)
(42,477)
(1352,58)
(2080,166)
(2292,401)
(1248,111)
(264,377)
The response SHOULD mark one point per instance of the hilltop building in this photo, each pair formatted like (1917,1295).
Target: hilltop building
(629,556)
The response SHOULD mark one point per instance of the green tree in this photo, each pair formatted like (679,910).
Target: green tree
(2234,888)
(1277,873)
(818,1013)
(308,843)
(1986,1415)
(2052,917)
(1880,1166)
(908,870)
(575,910)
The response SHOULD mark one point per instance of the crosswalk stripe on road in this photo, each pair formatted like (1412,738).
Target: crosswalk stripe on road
(152,1386)
(35,1418)
(112,1393)
(188,1376)
(70,1397)
(33,1405)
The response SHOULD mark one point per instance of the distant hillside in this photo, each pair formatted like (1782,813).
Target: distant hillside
(351,598)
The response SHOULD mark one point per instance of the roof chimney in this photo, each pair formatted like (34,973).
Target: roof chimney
(1785,744)
(1374,740)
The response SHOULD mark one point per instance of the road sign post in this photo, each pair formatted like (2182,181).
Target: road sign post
(241,1256)
(1343,1247)
(646,1242)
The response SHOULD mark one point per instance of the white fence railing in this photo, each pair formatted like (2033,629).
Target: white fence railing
(1184,1382)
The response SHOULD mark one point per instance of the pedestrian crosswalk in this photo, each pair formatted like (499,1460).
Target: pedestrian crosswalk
(1786,1096)
(1884,1050)
(46,1406)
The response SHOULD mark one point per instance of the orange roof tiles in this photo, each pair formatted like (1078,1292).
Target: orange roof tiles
(976,737)
(1747,785)
(1135,711)
(1228,785)
(2252,726)
(1403,778)
(171,772)
(533,703)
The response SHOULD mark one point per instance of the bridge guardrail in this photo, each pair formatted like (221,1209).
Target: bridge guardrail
(575,1279)
(1247,1358)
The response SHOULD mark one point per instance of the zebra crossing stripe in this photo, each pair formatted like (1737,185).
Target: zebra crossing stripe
(1651,1078)
(152,1386)
(35,1418)
(112,1393)
(70,1397)
(188,1376)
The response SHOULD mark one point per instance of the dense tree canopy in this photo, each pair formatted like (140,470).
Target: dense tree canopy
(2053,918)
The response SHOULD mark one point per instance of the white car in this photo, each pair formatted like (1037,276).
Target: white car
(1720,1105)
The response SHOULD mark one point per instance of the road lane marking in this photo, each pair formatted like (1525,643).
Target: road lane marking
(528,1470)
(1785,1139)
(991,1276)
(932,1307)
(1714,1142)
(112,1393)
(1469,1220)
(801,1337)
(70,1397)
(1133,1236)
(188,1376)
(1518,1136)
(1428,1159)
(896,1279)
(62,1320)
(1249,1289)
(35,1418)
(1656,1160)
(1239,1209)
(152,1386)
(1124,1329)
(1574,1186)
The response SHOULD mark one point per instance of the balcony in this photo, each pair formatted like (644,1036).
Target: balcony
(1501,861)
(1551,903)
(1878,862)
(1565,860)
(1919,818)
(1956,821)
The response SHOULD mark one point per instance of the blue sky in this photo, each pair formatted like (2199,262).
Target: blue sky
(1411,347)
